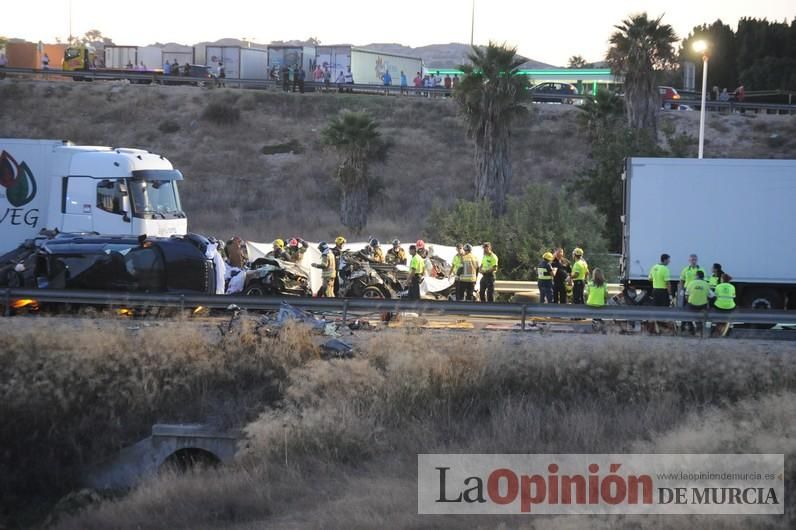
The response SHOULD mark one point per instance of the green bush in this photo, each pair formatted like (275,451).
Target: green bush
(539,220)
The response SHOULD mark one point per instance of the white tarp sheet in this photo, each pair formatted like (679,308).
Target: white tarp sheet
(312,255)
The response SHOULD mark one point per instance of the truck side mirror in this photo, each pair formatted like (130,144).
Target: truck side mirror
(126,208)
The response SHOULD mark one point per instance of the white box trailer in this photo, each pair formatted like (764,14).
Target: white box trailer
(368,66)
(121,56)
(739,213)
(54,184)
(181,54)
(239,62)
(334,58)
(292,56)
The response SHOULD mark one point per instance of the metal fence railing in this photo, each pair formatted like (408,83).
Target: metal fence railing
(346,306)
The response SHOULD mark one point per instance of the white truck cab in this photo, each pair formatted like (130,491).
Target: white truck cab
(55,184)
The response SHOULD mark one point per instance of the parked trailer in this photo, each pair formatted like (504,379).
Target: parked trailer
(122,56)
(736,212)
(368,66)
(334,58)
(54,184)
(239,62)
(292,56)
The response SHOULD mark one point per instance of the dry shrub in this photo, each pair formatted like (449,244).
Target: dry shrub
(71,394)
(339,449)
(169,127)
(221,113)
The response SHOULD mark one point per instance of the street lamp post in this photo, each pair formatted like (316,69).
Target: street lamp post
(701,46)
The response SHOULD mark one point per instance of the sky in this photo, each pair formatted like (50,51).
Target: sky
(550,31)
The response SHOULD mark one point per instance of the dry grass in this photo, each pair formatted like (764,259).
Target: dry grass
(263,196)
(339,449)
(76,393)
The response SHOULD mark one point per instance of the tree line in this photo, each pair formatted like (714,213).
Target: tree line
(760,54)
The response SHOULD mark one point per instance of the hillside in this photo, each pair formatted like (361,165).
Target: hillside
(231,186)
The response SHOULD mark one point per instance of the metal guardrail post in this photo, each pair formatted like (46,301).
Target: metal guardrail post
(524,315)
(345,310)
(182,304)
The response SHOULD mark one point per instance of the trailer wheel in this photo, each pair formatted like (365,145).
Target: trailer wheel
(763,298)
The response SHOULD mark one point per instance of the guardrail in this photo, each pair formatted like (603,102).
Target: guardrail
(732,106)
(352,305)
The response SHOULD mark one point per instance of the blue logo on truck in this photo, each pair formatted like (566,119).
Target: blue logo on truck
(17,179)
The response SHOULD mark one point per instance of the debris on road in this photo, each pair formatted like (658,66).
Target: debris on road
(336,349)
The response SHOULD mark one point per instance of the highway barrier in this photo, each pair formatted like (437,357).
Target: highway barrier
(347,306)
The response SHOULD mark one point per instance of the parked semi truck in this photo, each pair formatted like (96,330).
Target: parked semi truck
(54,184)
(739,213)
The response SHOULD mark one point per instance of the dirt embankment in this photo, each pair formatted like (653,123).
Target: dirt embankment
(254,163)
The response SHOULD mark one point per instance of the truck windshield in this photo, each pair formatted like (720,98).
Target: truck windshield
(155,198)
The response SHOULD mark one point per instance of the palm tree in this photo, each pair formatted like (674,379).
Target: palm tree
(490,95)
(358,142)
(601,113)
(639,49)
(577,61)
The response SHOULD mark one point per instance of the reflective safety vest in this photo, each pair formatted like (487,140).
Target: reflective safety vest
(417,265)
(725,296)
(489,263)
(596,294)
(659,276)
(688,274)
(470,264)
(455,264)
(697,292)
(580,270)
(544,272)
(328,269)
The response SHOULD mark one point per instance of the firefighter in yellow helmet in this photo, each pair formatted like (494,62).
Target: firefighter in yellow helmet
(278,250)
(544,277)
